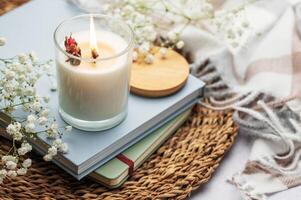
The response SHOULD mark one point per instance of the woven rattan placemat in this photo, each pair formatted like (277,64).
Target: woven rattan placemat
(7,5)
(185,162)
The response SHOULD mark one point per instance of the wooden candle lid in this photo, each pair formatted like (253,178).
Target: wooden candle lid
(162,78)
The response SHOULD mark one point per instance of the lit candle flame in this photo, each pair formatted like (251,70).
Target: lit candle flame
(93,42)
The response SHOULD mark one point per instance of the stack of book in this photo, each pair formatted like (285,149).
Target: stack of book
(107,156)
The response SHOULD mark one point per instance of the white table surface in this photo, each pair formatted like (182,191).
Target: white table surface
(218,189)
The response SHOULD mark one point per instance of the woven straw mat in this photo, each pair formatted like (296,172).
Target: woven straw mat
(7,5)
(185,162)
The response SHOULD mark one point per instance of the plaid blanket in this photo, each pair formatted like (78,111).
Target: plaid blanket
(261,81)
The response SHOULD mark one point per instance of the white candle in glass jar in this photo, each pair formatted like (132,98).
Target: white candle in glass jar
(93,70)
(95,91)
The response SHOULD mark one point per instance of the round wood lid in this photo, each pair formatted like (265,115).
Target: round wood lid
(162,78)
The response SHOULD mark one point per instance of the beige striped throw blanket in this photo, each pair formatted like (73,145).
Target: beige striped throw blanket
(261,81)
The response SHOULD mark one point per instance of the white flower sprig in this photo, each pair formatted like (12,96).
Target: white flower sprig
(138,14)
(154,22)
(18,78)
(231,26)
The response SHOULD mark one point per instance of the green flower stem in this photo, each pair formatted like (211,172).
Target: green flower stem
(15,105)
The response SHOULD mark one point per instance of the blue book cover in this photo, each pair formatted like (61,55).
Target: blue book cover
(31,27)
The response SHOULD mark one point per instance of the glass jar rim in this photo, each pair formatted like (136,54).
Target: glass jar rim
(125,50)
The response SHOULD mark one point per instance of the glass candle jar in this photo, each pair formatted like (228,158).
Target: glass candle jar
(93,56)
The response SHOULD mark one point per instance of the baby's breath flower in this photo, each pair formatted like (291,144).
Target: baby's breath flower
(9,75)
(56,143)
(63,148)
(2,41)
(27,67)
(22,151)
(18,136)
(27,146)
(9,158)
(11,129)
(33,56)
(11,164)
(180,44)
(14,130)
(144,48)
(135,55)
(27,163)
(12,173)
(54,126)
(3,173)
(150,21)
(149,59)
(172,36)
(42,120)
(45,112)
(29,91)
(30,127)
(52,131)
(19,76)
(163,52)
(22,171)
(31,118)
(47,157)
(36,106)
(52,151)
(22,58)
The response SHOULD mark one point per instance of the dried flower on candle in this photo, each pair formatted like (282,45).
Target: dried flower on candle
(73,49)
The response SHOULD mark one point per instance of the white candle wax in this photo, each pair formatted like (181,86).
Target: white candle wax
(95,91)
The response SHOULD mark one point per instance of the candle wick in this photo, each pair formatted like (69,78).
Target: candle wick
(94,53)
